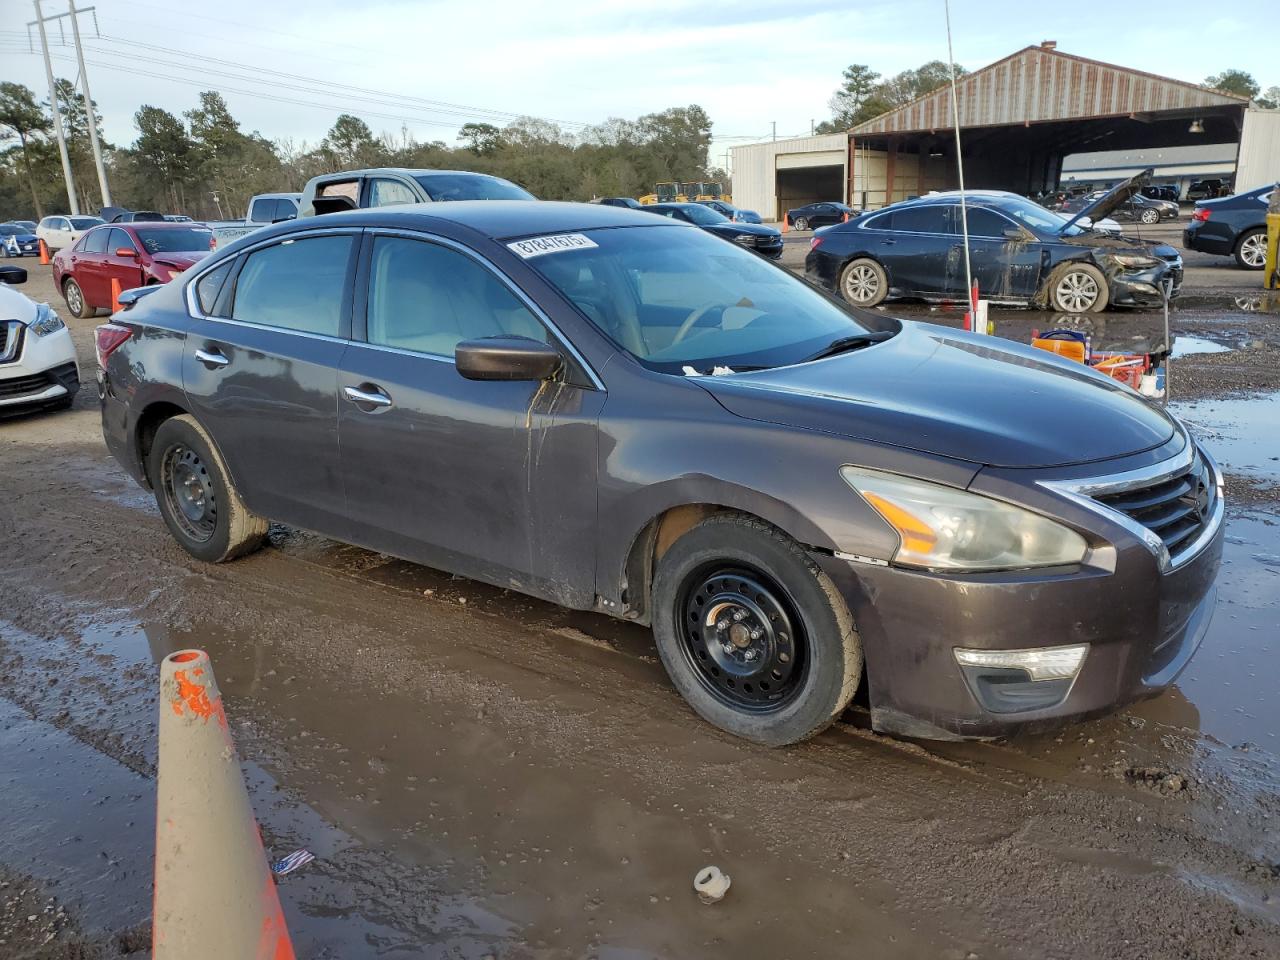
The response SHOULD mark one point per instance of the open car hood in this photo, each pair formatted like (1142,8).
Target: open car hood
(1109,201)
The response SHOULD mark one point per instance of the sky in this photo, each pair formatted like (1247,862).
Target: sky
(287,69)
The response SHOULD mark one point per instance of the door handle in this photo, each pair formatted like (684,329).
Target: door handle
(212,358)
(887,243)
(375,399)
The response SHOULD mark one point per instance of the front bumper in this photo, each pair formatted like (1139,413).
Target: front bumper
(42,372)
(1141,618)
(1141,288)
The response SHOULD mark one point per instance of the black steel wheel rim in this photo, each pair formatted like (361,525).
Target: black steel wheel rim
(188,488)
(742,638)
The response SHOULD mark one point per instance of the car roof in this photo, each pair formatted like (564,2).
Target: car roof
(496,219)
(402,171)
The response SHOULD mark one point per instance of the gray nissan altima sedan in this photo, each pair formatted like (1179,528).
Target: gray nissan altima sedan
(622,413)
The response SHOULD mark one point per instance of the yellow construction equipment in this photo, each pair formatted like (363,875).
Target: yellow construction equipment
(665,192)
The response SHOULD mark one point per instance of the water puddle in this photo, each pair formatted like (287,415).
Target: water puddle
(1242,434)
(1185,346)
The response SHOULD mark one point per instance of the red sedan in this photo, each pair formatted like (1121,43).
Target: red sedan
(136,254)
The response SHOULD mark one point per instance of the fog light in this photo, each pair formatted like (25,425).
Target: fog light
(1040,663)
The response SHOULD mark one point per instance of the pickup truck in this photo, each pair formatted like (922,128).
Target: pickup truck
(264,209)
(385,186)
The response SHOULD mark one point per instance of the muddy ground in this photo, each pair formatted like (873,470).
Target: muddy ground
(483,775)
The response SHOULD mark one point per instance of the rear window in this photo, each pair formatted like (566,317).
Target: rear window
(84,223)
(95,241)
(177,240)
(295,285)
(210,285)
(470,186)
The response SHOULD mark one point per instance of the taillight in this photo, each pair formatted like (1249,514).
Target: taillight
(107,338)
(1201,214)
(213,242)
(815,243)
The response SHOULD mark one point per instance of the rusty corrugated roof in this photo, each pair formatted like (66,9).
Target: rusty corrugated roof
(1039,84)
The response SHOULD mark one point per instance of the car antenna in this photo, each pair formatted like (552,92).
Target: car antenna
(964,209)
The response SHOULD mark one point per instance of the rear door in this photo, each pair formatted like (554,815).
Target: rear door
(916,247)
(495,480)
(87,266)
(261,374)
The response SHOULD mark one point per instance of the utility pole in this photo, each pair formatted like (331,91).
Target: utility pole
(775,129)
(88,103)
(57,116)
(811,127)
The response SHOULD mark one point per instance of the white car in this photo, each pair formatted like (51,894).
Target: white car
(58,231)
(37,357)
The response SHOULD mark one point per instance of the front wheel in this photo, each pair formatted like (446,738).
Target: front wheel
(1078,288)
(864,283)
(752,633)
(1251,252)
(802,223)
(1150,216)
(199,503)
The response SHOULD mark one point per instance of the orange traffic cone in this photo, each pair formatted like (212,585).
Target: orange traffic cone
(44,253)
(214,896)
(115,295)
(785,226)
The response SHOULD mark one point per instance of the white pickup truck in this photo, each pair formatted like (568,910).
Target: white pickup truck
(264,209)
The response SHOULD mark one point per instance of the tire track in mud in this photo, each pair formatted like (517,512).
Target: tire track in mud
(963,855)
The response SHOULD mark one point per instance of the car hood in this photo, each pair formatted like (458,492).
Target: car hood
(15,305)
(963,396)
(734,228)
(180,261)
(1112,199)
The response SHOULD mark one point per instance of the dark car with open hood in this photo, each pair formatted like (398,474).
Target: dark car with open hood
(1020,253)
(615,412)
(765,241)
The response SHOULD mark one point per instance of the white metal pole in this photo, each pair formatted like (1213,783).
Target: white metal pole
(88,103)
(57,116)
(964,210)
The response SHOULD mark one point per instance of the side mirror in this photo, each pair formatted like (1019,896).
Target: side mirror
(507,358)
(13,275)
(128,252)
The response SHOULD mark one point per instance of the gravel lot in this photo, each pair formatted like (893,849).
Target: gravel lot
(484,775)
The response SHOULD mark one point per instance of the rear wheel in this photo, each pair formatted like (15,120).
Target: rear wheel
(197,499)
(1078,288)
(74,296)
(802,223)
(864,283)
(753,634)
(1251,251)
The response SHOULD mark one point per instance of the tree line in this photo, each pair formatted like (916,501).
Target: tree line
(205,164)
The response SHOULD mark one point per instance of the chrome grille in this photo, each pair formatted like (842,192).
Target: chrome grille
(10,340)
(1175,509)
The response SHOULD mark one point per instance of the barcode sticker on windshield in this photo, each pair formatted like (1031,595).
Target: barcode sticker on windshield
(537,246)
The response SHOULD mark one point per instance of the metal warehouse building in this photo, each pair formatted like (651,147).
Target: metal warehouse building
(1020,119)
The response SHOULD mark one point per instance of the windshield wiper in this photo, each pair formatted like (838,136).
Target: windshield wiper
(844,344)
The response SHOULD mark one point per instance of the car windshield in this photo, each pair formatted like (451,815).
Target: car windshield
(179,240)
(705,215)
(682,300)
(1039,218)
(470,186)
(10,230)
(84,223)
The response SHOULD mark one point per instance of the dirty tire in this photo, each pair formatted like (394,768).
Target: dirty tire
(1078,288)
(802,223)
(76,302)
(827,651)
(863,283)
(197,499)
(1251,251)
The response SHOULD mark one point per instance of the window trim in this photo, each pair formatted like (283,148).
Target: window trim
(359,324)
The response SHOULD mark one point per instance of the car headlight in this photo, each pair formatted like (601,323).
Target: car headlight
(941,528)
(46,321)
(1134,261)
(744,238)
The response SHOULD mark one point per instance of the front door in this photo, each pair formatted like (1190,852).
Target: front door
(1005,269)
(261,374)
(494,480)
(117,265)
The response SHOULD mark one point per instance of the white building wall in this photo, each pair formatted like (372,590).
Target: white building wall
(755,167)
(1259,162)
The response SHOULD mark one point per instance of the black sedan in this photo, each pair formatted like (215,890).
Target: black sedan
(1232,227)
(618,413)
(1020,253)
(736,214)
(1138,208)
(765,241)
(631,203)
(813,215)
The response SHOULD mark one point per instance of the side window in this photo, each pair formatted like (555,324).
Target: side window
(386,193)
(932,218)
(118,239)
(341,188)
(95,241)
(286,209)
(295,285)
(61,224)
(210,285)
(263,210)
(882,222)
(427,298)
(984,223)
